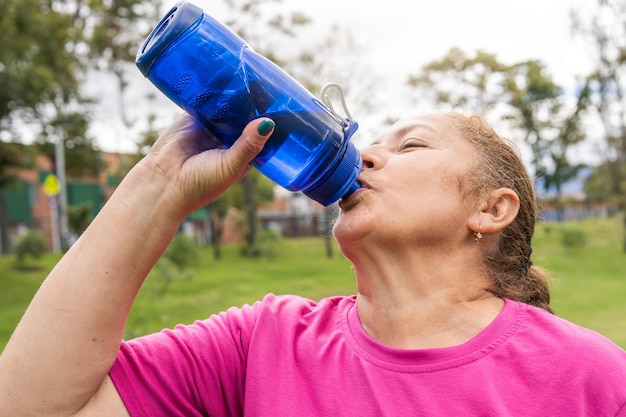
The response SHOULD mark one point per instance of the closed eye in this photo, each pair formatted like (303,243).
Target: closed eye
(411,143)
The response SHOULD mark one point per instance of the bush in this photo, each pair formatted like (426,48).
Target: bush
(182,252)
(269,243)
(30,243)
(572,238)
(176,263)
(78,218)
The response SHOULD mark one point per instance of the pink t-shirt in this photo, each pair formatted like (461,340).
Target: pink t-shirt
(289,356)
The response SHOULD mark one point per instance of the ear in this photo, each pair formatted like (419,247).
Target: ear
(495,212)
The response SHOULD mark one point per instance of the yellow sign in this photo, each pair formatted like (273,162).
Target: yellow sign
(51,185)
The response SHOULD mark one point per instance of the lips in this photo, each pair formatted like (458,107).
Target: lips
(354,198)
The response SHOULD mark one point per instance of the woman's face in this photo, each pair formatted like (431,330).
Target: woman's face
(413,186)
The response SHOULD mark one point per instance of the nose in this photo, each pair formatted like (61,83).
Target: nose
(372,158)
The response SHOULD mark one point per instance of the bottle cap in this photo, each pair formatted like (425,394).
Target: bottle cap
(341,180)
(180,17)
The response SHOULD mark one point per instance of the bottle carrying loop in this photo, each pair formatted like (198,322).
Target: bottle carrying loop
(325,97)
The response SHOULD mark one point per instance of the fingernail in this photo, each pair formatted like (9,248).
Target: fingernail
(265,127)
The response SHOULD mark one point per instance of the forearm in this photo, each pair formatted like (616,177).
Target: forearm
(70,334)
(67,340)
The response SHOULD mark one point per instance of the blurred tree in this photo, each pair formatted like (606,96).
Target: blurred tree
(458,82)
(235,197)
(599,185)
(38,72)
(47,49)
(115,30)
(82,157)
(605,29)
(252,192)
(548,127)
(37,66)
(570,133)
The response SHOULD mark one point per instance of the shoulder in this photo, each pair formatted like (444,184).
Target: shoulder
(291,316)
(563,329)
(293,306)
(551,334)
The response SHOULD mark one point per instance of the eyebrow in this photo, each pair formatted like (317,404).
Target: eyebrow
(400,133)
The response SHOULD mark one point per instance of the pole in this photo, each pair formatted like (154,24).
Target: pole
(54,224)
(59,156)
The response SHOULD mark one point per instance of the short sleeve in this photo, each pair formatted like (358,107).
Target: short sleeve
(188,371)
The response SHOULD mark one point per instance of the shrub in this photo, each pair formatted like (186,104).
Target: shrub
(269,243)
(30,243)
(182,252)
(572,238)
(176,263)
(78,218)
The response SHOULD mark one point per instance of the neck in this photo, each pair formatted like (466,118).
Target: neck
(414,299)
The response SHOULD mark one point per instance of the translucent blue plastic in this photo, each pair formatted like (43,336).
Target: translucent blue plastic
(216,77)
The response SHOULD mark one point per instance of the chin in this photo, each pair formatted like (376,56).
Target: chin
(350,226)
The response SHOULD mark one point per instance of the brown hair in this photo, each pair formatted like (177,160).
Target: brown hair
(509,265)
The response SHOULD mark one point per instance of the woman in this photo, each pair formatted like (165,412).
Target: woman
(450,316)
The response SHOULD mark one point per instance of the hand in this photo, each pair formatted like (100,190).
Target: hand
(194,168)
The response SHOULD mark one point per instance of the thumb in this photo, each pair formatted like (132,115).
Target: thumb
(250,143)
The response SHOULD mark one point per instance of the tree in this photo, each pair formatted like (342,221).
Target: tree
(37,64)
(548,127)
(570,133)
(462,83)
(250,192)
(37,70)
(82,156)
(599,185)
(115,30)
(47,49)
(605,29)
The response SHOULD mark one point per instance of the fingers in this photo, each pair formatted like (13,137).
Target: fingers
(251,142)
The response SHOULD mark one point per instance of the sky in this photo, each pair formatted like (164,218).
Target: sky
(400,36)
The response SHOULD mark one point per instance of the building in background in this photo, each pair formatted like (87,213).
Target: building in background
(31,206)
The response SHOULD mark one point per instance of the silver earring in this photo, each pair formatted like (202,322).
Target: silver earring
(477,237)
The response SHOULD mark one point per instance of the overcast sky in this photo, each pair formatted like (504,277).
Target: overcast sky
(420,31)
(402,35)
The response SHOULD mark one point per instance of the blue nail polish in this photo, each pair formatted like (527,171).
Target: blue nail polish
(265,127)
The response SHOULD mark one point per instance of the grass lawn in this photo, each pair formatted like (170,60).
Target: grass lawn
(588,283)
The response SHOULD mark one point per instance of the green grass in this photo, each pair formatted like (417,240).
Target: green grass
(17,287)
(300,268)
(588,283)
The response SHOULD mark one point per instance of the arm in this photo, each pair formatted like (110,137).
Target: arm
(64,346)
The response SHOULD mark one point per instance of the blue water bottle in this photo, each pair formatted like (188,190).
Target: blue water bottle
(216,77)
